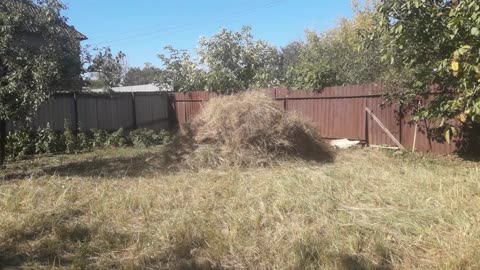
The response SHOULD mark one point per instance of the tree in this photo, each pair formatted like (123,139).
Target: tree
(337,56)
(140,76)
(289,56)
(235,61)
(180,72)
(313,68)
(229,61)
(434,46)
(109,69)
(36,58)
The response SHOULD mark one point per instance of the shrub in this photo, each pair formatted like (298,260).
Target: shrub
(48,141)
(249,129)
(99,138)
(117,139)
(146,137)
(166,136)
(71,142)
(21,143)
(84,139)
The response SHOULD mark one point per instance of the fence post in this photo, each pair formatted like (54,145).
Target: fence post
(172,109)
(75,123)
(400,123)
(134,111)
(366,126)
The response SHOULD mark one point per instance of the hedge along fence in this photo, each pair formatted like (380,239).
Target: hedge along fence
(105,112)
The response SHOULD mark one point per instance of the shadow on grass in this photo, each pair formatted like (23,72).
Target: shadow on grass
(32,240)
(313,252)
(110,167)
(60,239)
(353,262)
(145,162)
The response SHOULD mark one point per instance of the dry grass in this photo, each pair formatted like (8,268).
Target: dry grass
(368,210)
(249,129)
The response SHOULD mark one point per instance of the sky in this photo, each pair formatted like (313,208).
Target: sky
(142,28)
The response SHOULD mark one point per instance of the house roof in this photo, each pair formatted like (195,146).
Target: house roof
(129,89)
(64,28)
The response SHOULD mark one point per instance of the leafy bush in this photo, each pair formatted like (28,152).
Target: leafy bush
(99,138)
(49,141)
(71,142)
(21,143)
(84,139)
(117,139)
(166,136)
(24,141)
(147,137)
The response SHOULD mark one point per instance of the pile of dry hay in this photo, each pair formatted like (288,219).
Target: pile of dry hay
(249,129)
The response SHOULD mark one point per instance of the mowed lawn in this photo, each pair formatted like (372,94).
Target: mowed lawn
(123,209)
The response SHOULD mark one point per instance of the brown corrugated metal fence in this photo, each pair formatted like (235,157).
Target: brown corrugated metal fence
(338,112)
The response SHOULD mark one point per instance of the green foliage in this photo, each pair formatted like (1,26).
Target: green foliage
(24,141)
(117,139)
(99,139)
(147,137)
(147,75)
(94,83)
(232,61)
(71,142)
(166,136)
(337,56)
(21,143)
(32,66)
(84,139)
(180,72)
(48,141)
(109,69)
(313,68)
(434,43)
(235,61)
(229,61)
(34,63)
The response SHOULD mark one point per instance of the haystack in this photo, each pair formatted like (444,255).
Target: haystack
(249,129)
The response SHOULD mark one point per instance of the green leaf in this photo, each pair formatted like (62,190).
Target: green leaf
(475,31)
(446,134)
(443,122)
(454,131)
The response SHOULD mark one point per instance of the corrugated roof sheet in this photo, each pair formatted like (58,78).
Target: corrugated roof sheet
(136,88)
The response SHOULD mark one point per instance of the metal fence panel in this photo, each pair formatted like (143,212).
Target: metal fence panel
(388,114)
(337,112)
(151,111)
(105,112)
(56,111)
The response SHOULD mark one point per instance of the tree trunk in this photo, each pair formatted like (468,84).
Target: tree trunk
(3,141)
